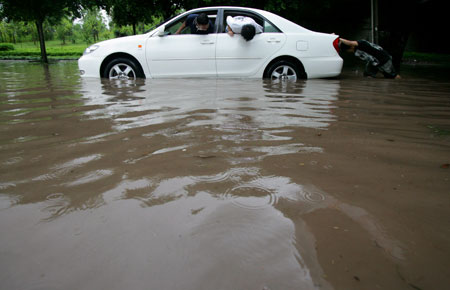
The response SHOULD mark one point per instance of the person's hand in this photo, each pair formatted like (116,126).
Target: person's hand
(182,26)
(229,31)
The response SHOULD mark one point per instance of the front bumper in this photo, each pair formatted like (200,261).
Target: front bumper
(89,66)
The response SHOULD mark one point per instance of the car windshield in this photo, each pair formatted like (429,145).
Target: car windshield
(162,22)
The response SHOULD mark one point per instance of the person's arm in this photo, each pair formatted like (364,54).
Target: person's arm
(182,26)
(258,28)
(230,32)
(351,43)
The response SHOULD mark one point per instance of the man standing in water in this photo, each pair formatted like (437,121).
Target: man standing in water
(376,57)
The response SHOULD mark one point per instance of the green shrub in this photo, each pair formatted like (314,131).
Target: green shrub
(51,51)
(6,46)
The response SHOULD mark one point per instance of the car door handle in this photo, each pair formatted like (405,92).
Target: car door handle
(273,40)
(207,42)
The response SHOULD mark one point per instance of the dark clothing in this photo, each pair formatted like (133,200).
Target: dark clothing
(191,21)
(377,59)
(374,50)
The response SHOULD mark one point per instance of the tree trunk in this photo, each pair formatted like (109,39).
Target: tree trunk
(42,41)
(134,28)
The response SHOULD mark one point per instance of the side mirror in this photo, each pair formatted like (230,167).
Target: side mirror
(161,31)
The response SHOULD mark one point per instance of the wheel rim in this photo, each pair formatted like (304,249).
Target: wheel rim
(122,71)
(284,73)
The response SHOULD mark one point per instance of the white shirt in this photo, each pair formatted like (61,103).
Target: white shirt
(237,22)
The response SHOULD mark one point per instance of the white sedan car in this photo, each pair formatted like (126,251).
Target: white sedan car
(284,50)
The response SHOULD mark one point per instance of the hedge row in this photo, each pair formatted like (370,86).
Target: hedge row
(6,46)
(37,58)
(37,53)
(34,52)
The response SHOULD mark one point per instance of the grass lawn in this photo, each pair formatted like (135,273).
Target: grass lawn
(55,50)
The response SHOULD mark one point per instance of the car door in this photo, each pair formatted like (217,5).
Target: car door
(185,54)
(237,57)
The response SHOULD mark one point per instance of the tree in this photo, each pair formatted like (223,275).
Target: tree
(38,11)
(7,32)
(64,29)
(167,8)
(77,32)
(25,31)
(131,12)
(92,25)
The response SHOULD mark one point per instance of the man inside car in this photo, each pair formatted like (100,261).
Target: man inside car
(198,23)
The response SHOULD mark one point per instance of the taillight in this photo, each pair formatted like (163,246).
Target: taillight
(336,44)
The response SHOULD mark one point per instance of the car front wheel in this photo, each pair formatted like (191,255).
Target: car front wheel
(123,69)
(283,71)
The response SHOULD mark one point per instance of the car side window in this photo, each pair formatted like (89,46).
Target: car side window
(257,19)
(269,27)
(173,27)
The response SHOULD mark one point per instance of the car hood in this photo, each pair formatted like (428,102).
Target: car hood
(125,39)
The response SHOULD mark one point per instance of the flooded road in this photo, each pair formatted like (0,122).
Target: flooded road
(223,184)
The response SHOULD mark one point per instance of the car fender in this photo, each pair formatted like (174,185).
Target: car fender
(308,47)
(134,47)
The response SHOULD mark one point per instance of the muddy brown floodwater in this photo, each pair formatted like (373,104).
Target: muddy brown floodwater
(223,184)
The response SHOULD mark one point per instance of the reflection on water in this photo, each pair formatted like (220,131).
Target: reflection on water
(178,184)
(227,105)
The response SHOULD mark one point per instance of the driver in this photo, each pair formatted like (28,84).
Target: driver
(199,24)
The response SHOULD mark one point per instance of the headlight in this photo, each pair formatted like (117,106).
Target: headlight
(90,49)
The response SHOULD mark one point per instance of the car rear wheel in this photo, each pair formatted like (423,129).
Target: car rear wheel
(123,69)
(283,70)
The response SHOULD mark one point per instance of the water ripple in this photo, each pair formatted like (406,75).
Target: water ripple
(91,177)
(234,174)
(251,197)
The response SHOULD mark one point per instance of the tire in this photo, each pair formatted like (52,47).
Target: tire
(123,69)
(284,70)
